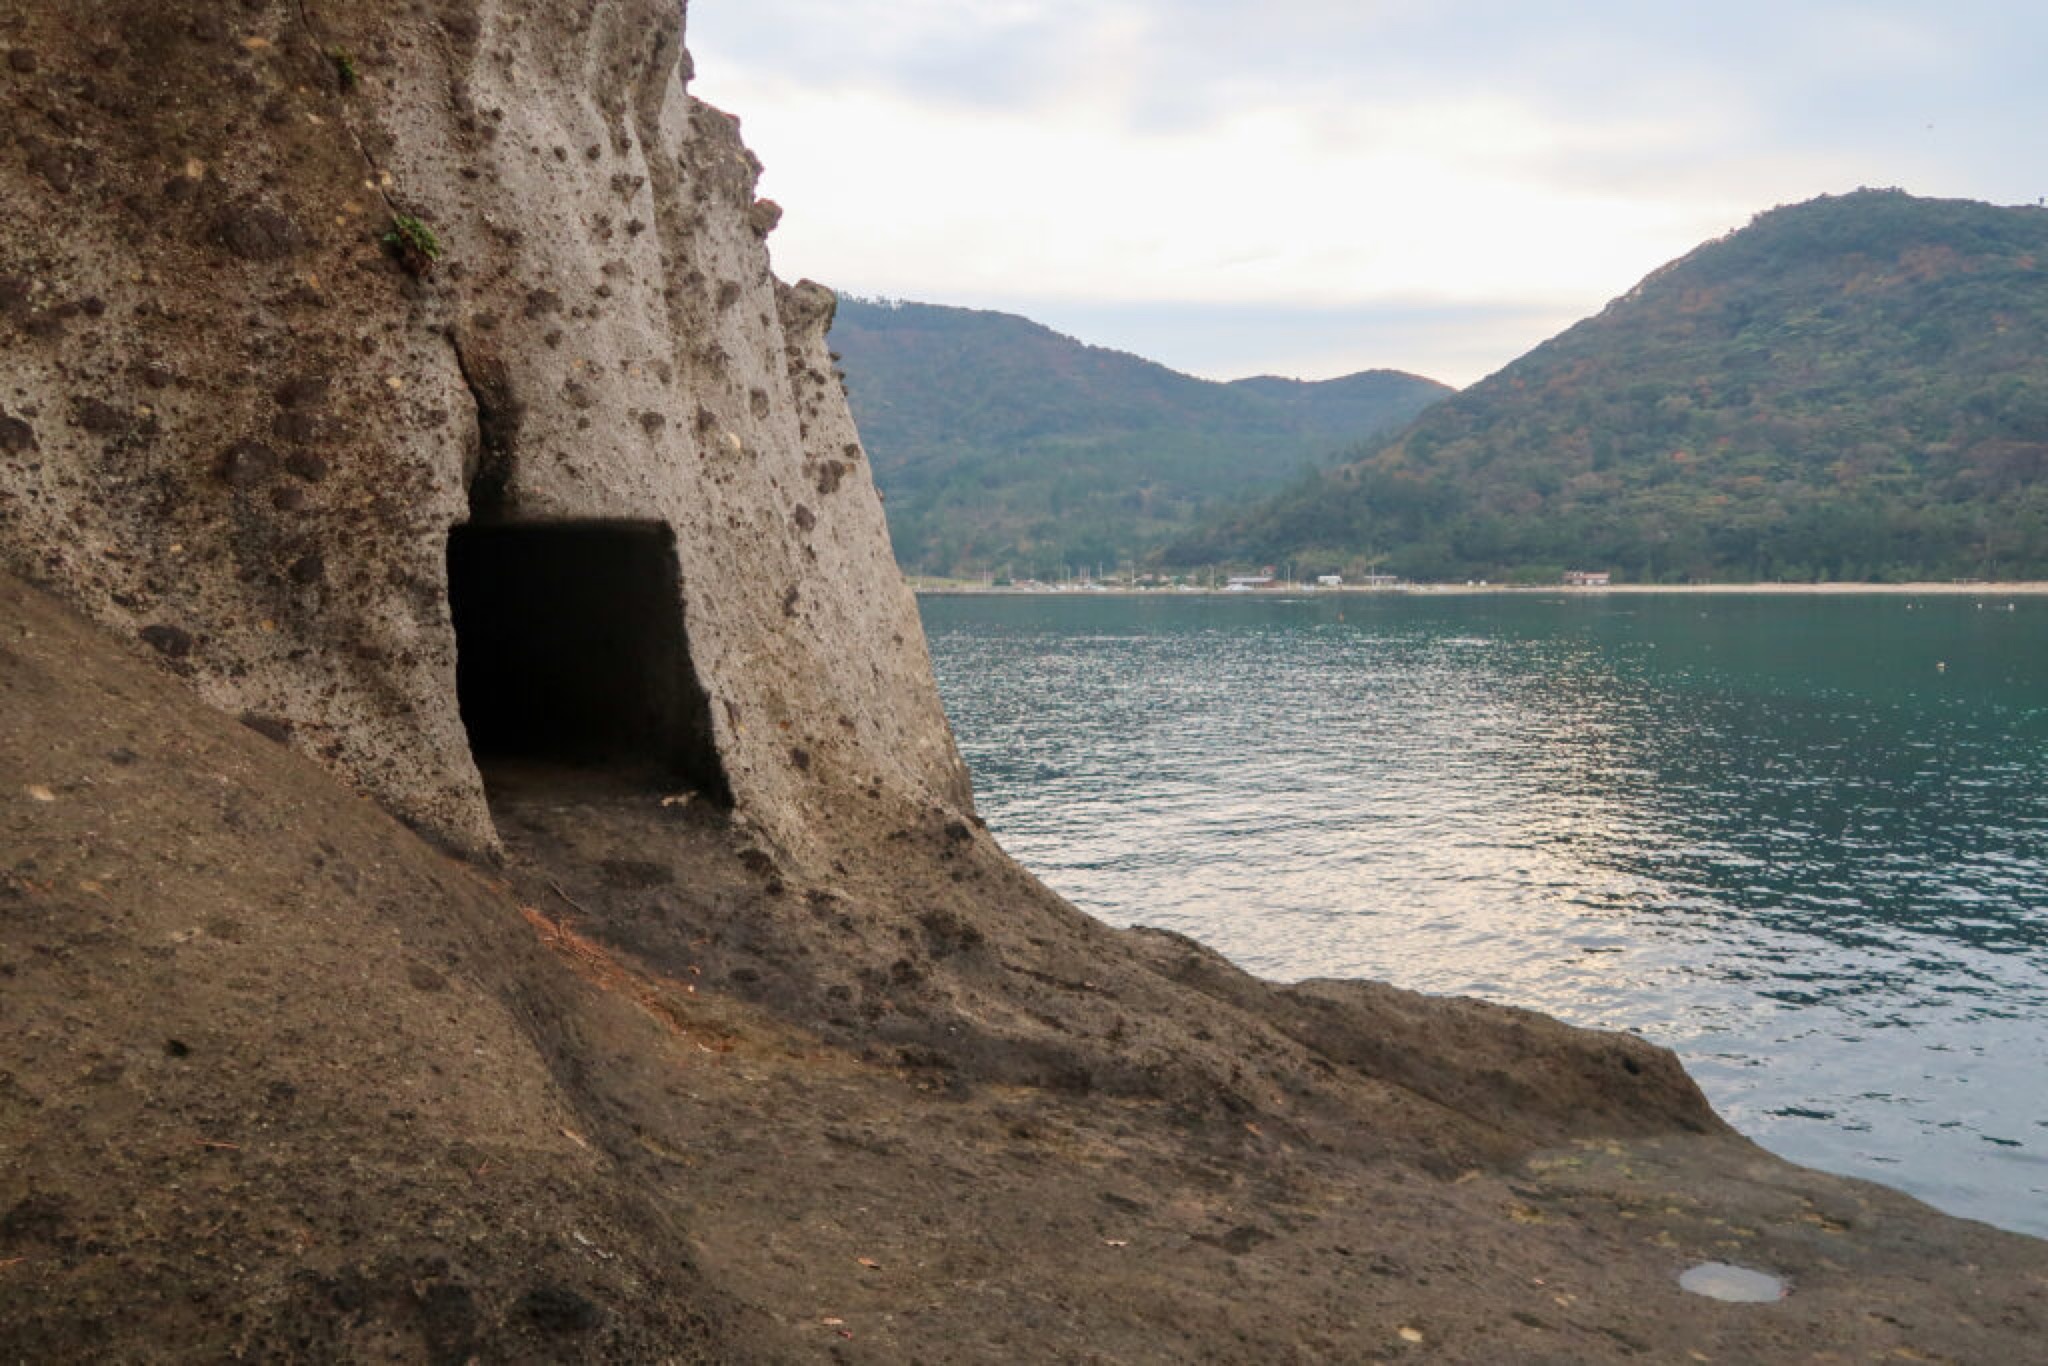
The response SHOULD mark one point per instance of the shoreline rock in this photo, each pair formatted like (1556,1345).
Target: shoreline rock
(400,964)
(286,1080)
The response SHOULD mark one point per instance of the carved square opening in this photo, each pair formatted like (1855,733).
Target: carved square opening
(571,652)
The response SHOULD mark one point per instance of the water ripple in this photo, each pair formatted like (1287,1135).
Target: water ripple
(1766,832)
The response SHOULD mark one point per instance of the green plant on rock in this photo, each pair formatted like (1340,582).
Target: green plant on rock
(344,68)
(414,244)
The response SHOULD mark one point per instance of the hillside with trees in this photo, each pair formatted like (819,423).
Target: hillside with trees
(1855,387)
(1002,445)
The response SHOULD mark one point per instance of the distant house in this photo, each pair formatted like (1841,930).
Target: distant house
(1588,578)
(1245,583)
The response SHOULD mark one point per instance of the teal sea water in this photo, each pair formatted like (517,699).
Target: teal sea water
(1802,840)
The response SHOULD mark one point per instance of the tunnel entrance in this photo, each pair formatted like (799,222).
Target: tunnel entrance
(571,653)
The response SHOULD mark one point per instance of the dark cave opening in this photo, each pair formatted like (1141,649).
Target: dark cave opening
(571,652)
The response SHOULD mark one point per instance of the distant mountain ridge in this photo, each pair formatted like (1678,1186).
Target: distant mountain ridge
(1855,387)
(1003,445)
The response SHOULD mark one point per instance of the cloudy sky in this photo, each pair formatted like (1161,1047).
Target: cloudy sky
(1313,187)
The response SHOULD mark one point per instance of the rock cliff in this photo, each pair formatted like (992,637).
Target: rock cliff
(242,415)
(396,393)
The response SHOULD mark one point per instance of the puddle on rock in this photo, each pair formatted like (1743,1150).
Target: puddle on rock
(1735,1284)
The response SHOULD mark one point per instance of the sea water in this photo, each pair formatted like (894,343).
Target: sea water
(1802,840)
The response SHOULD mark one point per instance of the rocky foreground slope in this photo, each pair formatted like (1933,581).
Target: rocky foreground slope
(281,1079)
(483,873)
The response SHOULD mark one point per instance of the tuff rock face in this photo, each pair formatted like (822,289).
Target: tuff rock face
(238,424)
(815,1070)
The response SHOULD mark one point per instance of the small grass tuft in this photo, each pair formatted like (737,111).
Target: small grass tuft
(345,68)
(414,244)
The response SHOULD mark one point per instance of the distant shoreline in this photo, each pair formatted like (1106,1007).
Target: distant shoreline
(2028,588)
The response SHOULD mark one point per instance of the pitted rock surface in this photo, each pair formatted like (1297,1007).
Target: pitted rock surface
(229,411)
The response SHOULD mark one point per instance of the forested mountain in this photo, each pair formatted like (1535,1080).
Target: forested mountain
(1851,388)
(1001,444)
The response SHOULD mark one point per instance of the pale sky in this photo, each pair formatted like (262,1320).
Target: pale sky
(1314,187)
